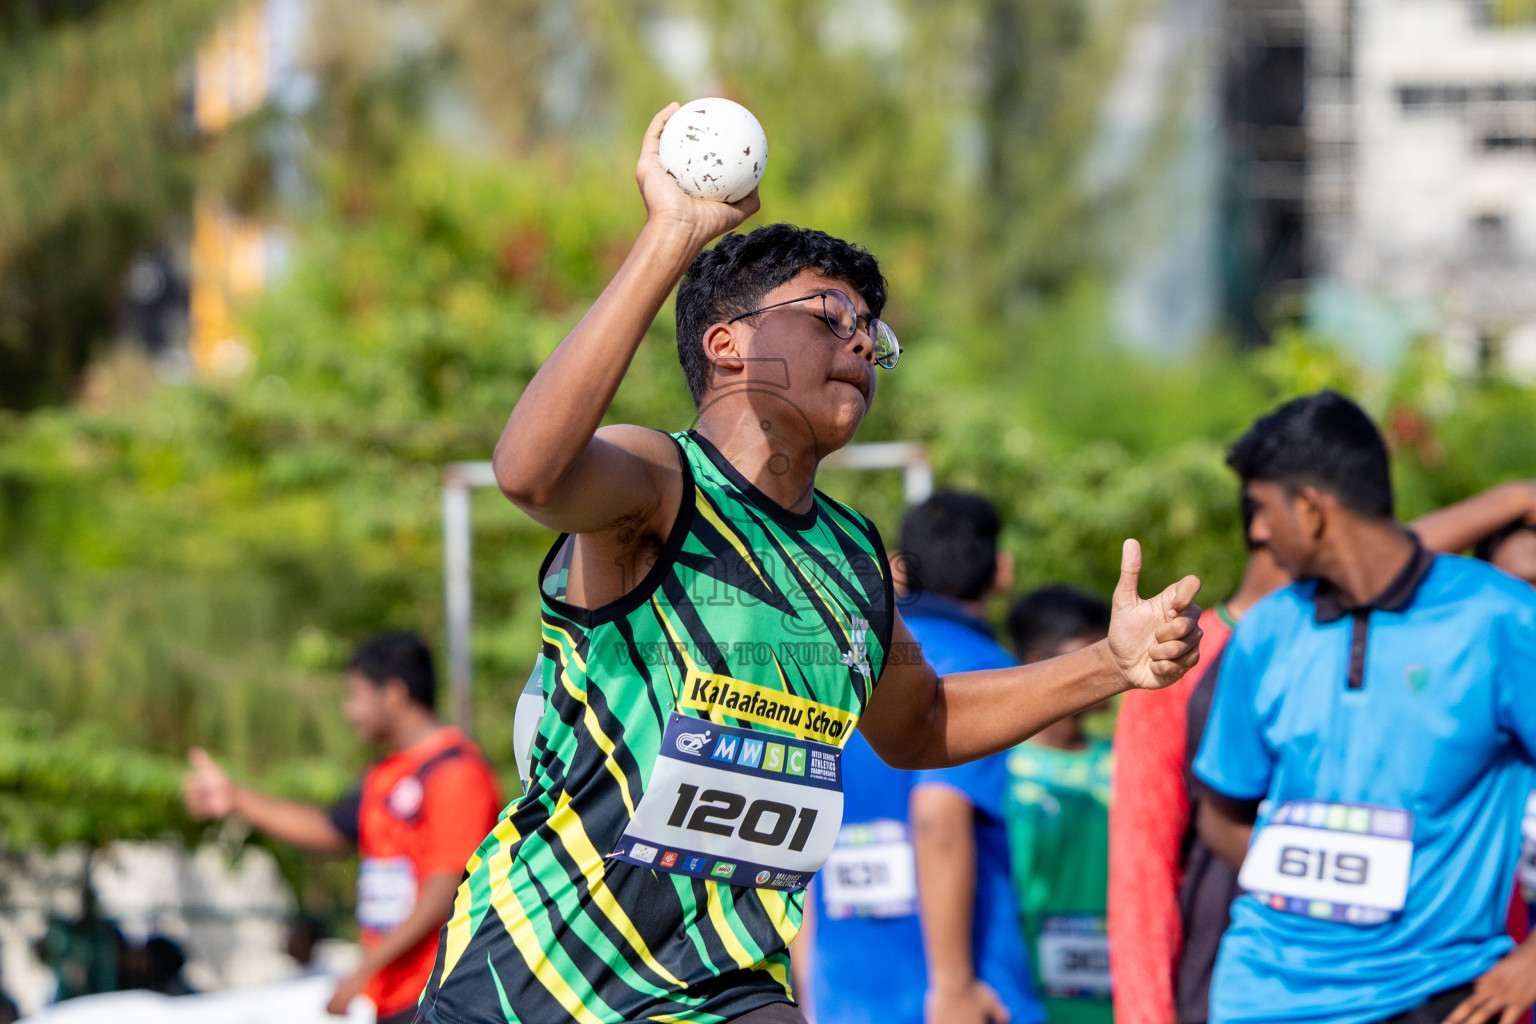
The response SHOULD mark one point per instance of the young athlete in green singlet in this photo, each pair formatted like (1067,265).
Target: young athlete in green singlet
(1057,811)
(713,630)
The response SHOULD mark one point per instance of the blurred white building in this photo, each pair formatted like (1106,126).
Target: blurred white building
(1429,196)
(1381,176)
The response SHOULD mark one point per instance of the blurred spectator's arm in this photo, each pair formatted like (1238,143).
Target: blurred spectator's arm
(298,824)
(1226,825)
(944,840)
(434,902)
(1148,818)
(802,953)
(1504,992)
(1460,526)
(209,793)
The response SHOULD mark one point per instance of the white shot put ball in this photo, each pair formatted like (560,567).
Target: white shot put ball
(714,149)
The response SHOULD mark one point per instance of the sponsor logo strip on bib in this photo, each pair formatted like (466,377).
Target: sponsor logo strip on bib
(1332,861)
(736,806)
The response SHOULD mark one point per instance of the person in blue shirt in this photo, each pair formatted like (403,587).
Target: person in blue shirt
(859,955)
(1369,750)
(1499,525)
(978,961)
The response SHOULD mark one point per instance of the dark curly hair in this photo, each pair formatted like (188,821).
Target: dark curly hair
(1489,546)
(949,545)
(1041,621)
(401,656)
(1324,440)
(733,277)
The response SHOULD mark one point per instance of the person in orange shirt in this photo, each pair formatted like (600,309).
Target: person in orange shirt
(415,819)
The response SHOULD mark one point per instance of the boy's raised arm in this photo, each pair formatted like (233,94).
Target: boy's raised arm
(552,461)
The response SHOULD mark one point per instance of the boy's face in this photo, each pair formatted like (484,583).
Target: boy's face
(804,382)
(1288,525)
(367,708)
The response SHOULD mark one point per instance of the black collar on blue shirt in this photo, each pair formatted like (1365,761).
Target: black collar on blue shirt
(1396,597)
(1329,606)
(934,606)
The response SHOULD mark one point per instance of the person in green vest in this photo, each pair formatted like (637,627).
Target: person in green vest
(1056,808)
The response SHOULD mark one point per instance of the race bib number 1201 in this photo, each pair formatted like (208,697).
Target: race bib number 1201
(737,806)
(1333,861)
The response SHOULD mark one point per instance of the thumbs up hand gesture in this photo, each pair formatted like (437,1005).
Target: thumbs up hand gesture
(206,788)
(1153,641)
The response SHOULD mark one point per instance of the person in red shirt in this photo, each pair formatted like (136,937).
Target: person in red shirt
(1151,835)
(415,819)
(1168,895)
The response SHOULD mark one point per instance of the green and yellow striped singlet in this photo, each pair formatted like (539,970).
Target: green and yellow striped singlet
(752,617)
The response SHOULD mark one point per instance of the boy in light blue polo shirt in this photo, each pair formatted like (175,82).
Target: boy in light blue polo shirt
(1370,750)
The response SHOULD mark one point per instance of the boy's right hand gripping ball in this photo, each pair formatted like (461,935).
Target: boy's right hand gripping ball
(714,149)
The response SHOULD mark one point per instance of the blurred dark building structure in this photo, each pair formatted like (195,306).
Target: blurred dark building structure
(1262,93)
(154,308)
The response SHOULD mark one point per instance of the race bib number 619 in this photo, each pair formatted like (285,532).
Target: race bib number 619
(1334,861)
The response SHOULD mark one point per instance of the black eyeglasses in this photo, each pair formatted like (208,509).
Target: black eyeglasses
(838,311)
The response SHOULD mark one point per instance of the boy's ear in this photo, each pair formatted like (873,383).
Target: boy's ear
(395,691)
(1002,575)
(722,348)
(1313,507)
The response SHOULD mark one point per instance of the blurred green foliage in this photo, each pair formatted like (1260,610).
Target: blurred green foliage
(191,562)
(1513,13)
(96,163)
